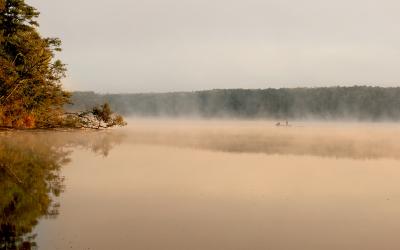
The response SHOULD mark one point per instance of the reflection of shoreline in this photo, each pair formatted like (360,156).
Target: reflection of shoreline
(30,178)
(351,142)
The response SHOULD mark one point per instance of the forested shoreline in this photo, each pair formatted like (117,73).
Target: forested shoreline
(31,91)
(354,103)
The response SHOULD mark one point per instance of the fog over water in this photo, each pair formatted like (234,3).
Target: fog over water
(330,139)
(252,125)
(207,184)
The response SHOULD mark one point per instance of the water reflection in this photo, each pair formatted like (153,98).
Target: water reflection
(170,187)
(363,141)
(31,179)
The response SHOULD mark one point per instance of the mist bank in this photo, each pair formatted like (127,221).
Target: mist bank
(363,103)
(359,141)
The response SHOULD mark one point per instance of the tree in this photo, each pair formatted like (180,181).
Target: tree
(31,93)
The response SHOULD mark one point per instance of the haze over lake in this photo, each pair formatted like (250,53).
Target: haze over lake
(199,125)
(211,184)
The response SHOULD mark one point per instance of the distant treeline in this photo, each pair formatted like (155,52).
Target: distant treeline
(358,103)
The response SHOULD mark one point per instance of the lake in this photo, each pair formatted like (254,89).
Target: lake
(217,184)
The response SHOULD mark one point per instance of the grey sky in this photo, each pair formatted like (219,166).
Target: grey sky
(179,45)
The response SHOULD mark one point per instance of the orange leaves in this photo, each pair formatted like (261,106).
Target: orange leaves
(16,117)
(29,121)
(24,121)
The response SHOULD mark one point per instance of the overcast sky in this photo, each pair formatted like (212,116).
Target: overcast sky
(180,45)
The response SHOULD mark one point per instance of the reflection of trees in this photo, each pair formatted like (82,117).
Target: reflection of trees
(350,143)
(30,178)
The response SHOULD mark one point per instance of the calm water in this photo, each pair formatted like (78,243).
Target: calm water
(202,185)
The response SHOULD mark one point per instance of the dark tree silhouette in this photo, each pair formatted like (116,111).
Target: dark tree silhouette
(357,103)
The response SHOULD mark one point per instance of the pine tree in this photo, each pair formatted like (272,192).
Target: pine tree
(30,91)
(31,95)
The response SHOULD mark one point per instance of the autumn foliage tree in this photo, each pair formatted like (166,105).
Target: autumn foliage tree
(31,93)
